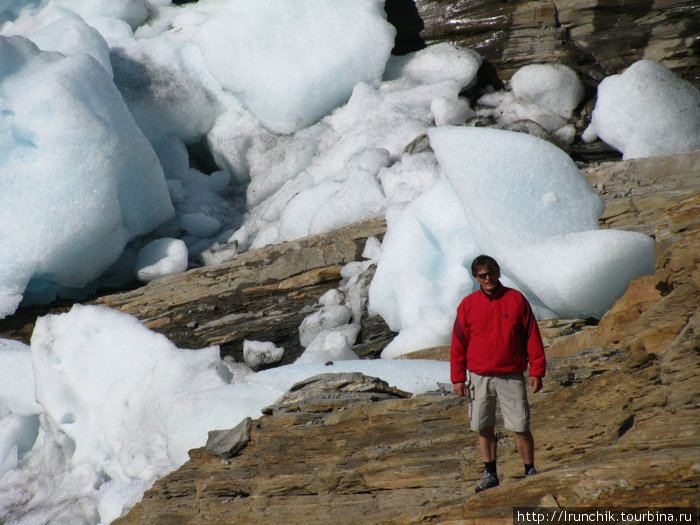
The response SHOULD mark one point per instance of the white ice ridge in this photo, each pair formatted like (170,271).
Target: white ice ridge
(519,199)
(71,197)
(306,59)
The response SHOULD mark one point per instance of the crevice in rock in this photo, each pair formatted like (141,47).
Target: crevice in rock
(625,426)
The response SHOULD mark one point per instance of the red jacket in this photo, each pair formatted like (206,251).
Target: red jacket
(496,335)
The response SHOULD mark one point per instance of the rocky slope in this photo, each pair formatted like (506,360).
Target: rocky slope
(616,425)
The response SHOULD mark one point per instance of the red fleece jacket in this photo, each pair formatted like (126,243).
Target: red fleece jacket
(496,335)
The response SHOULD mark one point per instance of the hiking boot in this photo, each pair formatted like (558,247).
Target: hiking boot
(490,480)
(530,472)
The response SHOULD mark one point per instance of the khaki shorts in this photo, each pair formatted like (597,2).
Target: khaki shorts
(512,395)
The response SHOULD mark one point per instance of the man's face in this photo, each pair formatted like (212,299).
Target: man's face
(487,279)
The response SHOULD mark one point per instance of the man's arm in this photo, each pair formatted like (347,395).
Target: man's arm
(534,346)
(458,351)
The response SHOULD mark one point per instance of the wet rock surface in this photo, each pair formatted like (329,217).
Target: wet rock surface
(595,37)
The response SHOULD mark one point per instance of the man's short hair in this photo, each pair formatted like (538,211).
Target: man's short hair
(484,261)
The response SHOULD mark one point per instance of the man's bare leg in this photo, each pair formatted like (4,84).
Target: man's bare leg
(526,446)
(487,444)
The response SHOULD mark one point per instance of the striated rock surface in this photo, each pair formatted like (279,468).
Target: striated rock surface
(617,424)
(327,392)
(595,37)
(602,440)
(635,191)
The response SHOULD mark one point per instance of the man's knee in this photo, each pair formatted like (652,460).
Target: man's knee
(489,432)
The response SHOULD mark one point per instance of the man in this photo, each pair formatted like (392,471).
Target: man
(495,337)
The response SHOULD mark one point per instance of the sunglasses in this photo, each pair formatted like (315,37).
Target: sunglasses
(484,275)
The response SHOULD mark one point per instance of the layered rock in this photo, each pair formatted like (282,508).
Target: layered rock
(636,191)
(413,460)
(597,38)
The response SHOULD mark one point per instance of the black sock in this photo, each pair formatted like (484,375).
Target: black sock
(528,467)
(490,467)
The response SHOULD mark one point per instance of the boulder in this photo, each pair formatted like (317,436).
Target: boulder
(327,392)
(228,443)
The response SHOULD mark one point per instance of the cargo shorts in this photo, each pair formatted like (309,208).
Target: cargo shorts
(512,395)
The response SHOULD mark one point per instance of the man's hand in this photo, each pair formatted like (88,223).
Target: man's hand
(460,389)
(535,384)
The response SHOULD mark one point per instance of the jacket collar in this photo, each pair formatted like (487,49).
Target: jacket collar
(496,294)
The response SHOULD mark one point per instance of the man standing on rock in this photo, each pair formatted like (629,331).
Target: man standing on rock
(495,337)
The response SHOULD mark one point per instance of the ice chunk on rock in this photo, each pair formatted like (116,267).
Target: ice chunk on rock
(440,63)
(553,86)
(100,373)
(422,268)
(325,318)
(160,258)
(581,274)
(312,74)
(531,209)
(329,345)
(646,111)
(513,187)
(257,353)
(70,198)
(332,297)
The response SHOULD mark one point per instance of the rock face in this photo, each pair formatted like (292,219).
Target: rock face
(616,425)
(635,191)
(595,37)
